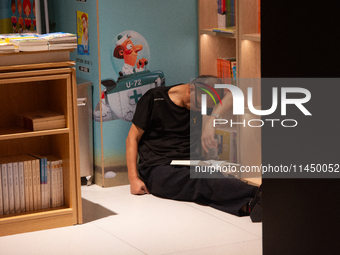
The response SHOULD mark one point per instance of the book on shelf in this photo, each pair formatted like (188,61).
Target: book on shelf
(15,169)
(7,47)
(30,183)
(4,187)
(60,40)
(43,180)
(59,37)
(36,184)
(10,185)
(62,46)
(30,44)
(38,42)
(226,70)
(226,13)
(227,30)
(41,120)
(221,13)
(8,37)
(55,169)
(25,161)
(19,185)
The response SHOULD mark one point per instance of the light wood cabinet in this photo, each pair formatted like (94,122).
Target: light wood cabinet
(38,85)
(245,45)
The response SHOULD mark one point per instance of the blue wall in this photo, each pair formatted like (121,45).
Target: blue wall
(64,14)
(171,31)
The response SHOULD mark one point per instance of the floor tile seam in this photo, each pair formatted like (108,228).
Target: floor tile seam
(212,246)
(235,225)
(119,238)
(102,196)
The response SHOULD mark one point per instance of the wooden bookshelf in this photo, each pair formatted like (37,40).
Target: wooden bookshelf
(26,87)
(211,32)
(252,37)
(245,45)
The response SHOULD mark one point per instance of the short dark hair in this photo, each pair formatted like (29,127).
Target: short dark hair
(204,81)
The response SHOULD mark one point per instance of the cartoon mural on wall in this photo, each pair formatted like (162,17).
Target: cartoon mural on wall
(130,56)
(14,18)
(27,11)
(22,16)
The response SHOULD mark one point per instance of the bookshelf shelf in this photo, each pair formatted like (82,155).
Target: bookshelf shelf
(37,214)
(34,87)
(213,33)
(245,46)
(38,220)
(18,132)
(252,37)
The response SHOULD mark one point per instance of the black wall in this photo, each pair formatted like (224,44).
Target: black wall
(300,39)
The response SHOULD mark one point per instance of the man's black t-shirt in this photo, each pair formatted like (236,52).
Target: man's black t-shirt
(166,128)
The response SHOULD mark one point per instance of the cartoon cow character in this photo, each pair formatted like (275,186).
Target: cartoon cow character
(126,50)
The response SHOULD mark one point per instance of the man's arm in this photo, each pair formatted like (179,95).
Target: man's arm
(208,133)
(137,186)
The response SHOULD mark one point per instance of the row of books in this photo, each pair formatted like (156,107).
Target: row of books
(226,16)
(41,120)
(37,42)
(226,13)
(30,182)
(226,70)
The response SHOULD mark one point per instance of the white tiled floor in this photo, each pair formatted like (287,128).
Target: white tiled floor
(116,222)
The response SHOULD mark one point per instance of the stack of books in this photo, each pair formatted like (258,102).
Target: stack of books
(41,120)
(30,183)
(7,37)
(38,42)
(29,44)
(60,40)
(7,47)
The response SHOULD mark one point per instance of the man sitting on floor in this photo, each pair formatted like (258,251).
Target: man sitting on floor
(162,131)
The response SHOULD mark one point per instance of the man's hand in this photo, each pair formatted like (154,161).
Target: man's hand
(208,135)
(137,187)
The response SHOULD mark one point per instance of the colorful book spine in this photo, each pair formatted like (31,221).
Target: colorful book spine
(30,185)
(232,18)
(46,191)
(228,13)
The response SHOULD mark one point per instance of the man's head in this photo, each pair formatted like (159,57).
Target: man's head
(205,84)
